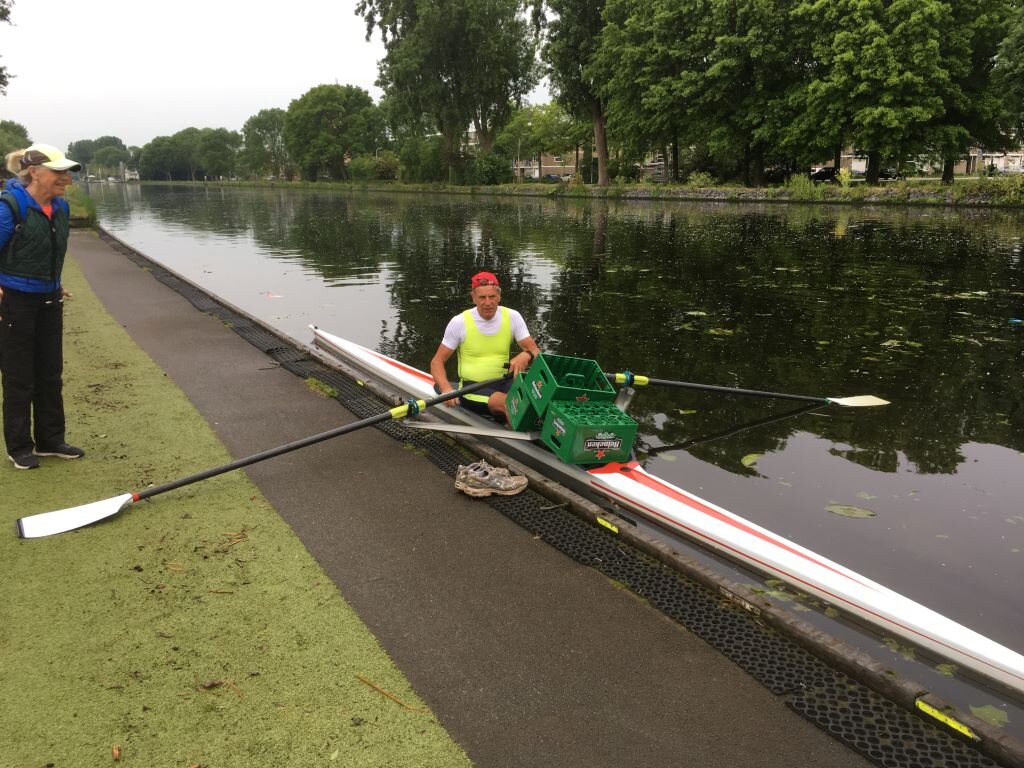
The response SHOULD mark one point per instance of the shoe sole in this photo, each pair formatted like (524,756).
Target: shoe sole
(19,466)
(56,455)
(479,493)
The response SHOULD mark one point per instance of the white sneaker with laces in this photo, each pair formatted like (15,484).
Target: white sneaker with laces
(480,479)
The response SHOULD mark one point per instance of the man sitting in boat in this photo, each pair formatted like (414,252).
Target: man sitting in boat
(483,338)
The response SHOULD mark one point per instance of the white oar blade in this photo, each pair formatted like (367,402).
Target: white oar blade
(859,401)
(50,523)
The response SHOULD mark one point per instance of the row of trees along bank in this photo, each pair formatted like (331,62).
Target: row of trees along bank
(726,87)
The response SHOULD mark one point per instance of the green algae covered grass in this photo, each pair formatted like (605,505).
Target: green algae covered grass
(192,629)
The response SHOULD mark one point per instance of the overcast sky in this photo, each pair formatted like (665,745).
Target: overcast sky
(137,70)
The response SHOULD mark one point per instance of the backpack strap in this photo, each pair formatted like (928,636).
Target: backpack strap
(19,221)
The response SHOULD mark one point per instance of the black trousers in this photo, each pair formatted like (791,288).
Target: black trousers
(32,363)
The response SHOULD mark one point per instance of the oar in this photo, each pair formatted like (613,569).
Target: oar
(631,379)
(49,523)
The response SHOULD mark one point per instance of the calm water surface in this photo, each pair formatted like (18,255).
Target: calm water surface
(915,306)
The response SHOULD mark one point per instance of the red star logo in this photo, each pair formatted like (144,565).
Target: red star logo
(582,399)
(599,454)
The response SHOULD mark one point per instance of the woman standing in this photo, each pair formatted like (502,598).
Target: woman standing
(34,225)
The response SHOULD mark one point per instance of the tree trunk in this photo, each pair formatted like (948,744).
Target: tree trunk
(874,166)
(485,137)
(675,156)
(601,142)
(837,157)
(947,169)
(757,166)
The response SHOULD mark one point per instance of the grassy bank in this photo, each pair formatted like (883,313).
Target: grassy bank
(83,209)
(965,191)
(190,630)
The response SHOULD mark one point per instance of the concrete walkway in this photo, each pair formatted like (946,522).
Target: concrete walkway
(526,657)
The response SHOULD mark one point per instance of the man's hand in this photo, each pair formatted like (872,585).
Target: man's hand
(520,363)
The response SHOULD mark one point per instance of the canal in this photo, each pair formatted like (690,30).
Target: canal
(914,305)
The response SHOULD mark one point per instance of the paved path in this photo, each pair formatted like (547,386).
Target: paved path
(528,658)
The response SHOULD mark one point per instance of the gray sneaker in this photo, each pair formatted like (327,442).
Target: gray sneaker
(481,479)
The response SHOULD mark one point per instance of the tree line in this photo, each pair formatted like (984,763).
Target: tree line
(739,89)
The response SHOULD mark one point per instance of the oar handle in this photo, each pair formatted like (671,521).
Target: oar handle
(631,379)
(398,412)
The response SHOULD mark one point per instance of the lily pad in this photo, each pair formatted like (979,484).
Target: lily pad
(847,510)
(685,411)
(991,715)
(750,459)
(949,670)
(720,332)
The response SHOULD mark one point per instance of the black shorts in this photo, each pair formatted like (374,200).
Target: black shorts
(481,408)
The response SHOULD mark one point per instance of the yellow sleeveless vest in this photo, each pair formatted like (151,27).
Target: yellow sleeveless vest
(484,357)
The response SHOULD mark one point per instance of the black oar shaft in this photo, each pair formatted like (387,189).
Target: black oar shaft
(630,379)
(738,391)
(270,453)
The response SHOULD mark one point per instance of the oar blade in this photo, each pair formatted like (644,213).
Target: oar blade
(63,520)
(858,401)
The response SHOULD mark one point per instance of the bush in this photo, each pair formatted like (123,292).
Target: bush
(700,179)
(361,168)
(493,168)
(421,160)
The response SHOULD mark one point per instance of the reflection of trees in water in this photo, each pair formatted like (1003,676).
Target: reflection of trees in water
(910,304)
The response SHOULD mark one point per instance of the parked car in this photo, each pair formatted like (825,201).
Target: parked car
(551,178)
(888,173)
(825,175)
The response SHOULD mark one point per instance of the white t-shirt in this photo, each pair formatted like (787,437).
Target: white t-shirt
(455,333)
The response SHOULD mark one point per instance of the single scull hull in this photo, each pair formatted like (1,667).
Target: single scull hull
(672,508)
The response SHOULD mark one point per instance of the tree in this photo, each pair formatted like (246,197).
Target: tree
(13,136)
(107,160)
(82,150)
(880,81)
(463,62)
(536,130)
(329,123)
(645,48)
(973,102)
(217,151)
(5,16)
(570,44)
(264,151)
(1009,74)
(160,160)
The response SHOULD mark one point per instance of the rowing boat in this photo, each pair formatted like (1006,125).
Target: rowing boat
(682,513)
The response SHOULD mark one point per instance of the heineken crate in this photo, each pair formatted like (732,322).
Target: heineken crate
(521,413)
(588,433)
(555,377)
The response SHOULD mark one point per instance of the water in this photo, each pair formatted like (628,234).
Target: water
(912,305)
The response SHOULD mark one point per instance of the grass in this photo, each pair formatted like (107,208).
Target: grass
(965,191)
(83,209)
(190,630)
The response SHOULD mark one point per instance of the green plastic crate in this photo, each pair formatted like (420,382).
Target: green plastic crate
(588,433)
(521,413)
(555,377)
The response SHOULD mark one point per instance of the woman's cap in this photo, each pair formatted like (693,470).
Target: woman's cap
(483,278)
(49,157)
